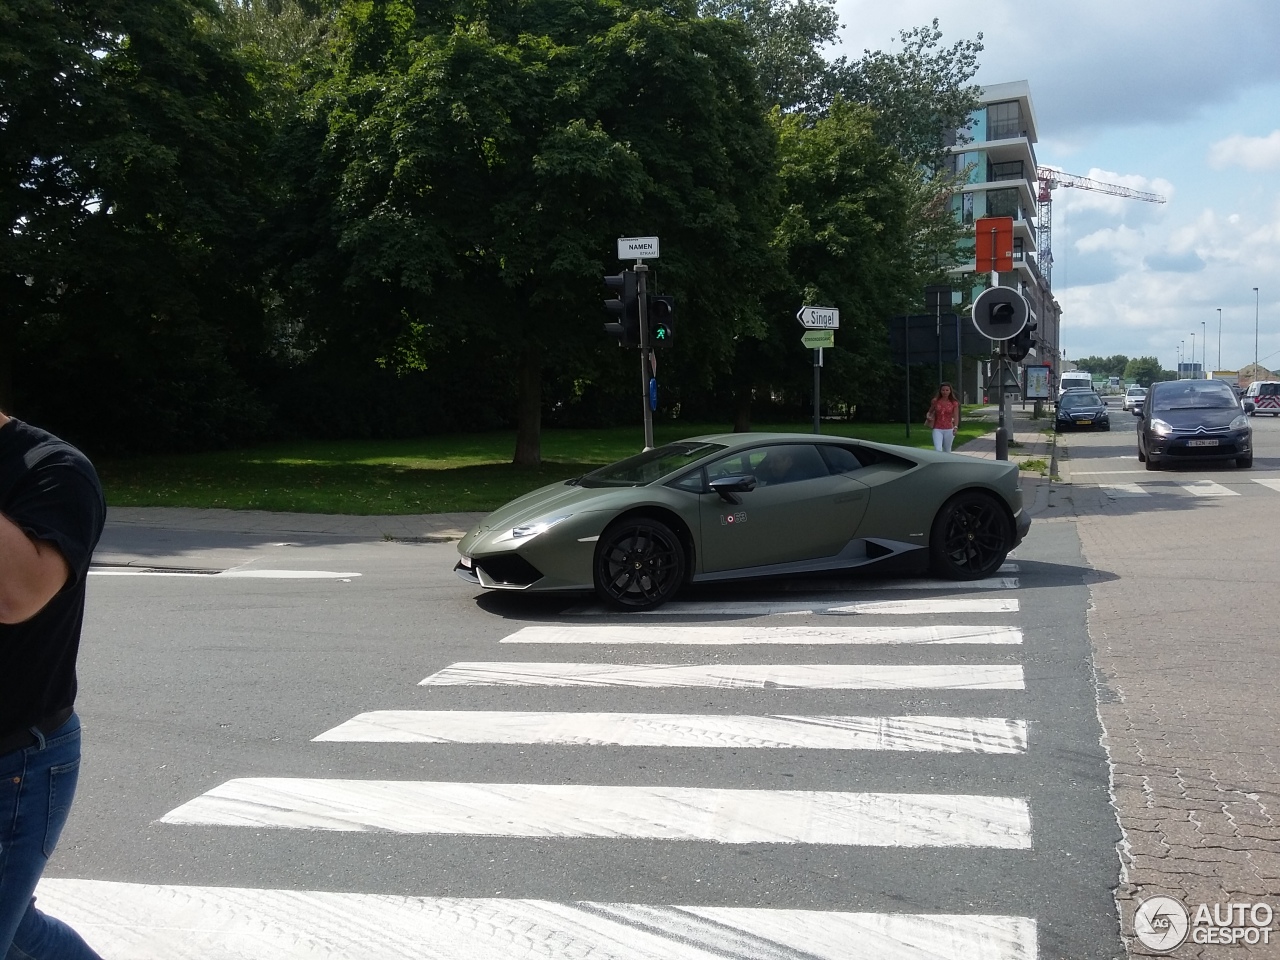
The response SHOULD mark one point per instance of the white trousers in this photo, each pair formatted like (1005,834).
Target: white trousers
(942,439)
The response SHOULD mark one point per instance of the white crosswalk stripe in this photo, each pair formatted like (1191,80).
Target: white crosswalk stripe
(815,676)
(1207,488)
(1270,484)
(732,636)
(1120,490)
(152,922)
(573,810)
(925,734)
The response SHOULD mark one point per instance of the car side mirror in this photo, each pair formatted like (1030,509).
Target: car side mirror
(1250,406)
(727,487)
(1136,408)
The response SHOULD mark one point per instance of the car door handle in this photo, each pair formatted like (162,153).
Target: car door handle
(847,497)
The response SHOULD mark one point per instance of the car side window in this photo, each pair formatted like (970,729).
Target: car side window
(788,463)
(693,481)
(840,459)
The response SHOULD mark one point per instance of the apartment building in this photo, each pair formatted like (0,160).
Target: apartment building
(996,155)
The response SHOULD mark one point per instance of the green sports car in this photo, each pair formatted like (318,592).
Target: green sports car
(738,505)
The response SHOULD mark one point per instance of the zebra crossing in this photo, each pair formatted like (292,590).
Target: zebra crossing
(1201,488)
(141,921)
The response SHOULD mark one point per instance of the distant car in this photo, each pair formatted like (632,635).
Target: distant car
(1081,410)
(1194,420)
(1131,395)
(740,505)
(1265,396)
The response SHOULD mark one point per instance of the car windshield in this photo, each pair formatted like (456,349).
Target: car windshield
(1194,395)
(649,466)
(1073,400)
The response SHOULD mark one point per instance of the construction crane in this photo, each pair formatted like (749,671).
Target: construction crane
(1050,180)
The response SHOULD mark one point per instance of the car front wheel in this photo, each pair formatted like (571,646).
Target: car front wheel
(1245,462)
(639,564)
(971,536)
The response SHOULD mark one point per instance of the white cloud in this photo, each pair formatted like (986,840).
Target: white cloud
(1252,153)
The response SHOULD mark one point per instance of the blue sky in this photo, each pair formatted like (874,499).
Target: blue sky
(1176,97)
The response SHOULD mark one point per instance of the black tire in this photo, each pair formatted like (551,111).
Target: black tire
(1152,463)
(971,536)
(1106,426)
(640,564)
(1244,462)
(1142,457)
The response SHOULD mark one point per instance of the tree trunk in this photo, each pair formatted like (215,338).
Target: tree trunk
(529,409)
(742,409)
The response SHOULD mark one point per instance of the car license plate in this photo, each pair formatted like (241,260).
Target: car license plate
(1083,423)
(1202,443)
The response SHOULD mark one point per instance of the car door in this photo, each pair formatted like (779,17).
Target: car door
(806,513)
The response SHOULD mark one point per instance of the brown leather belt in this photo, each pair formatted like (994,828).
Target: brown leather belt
(25,738)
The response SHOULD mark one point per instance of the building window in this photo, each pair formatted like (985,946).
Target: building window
(966,216)
(1004,120)
(1010,170)
(1017,248)
(1003,203)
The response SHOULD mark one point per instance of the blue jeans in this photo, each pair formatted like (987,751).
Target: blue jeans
(36,787)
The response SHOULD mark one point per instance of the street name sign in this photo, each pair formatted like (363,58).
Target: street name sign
(819,318)
(637,248)
(817,339)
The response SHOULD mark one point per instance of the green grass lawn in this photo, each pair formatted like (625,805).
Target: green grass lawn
(441,474)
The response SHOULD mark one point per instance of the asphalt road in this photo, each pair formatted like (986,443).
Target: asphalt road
(211,823)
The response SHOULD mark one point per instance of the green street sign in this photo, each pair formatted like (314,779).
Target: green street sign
(817,339)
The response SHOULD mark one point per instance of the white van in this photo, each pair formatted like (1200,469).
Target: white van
(1073,380)
(1265,395)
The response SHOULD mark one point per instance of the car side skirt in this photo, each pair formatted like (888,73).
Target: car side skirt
(856,553)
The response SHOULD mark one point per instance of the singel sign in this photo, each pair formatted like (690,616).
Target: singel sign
(637,248)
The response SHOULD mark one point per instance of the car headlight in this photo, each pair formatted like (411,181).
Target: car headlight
(527,531)
(1240,423)
(1160,428)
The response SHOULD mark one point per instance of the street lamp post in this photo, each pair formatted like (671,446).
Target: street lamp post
(1219,338)
(1192,371)
(1256,295)
(1182,356)
(1204,348)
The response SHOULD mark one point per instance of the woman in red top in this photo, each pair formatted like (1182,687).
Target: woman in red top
(943,417)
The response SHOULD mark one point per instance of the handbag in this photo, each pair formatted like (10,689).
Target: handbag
(928,417)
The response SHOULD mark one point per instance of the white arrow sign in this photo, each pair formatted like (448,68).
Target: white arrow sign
(819,318)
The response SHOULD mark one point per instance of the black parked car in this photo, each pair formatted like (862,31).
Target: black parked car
(1081,410)
(1193,420)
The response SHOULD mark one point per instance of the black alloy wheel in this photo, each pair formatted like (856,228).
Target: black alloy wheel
(971,537)
(639,564)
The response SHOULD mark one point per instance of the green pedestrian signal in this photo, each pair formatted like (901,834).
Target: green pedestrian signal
(662,314)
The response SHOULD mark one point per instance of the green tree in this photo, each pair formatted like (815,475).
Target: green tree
(921,95)
(1144,370)
(475,165)
(128,142)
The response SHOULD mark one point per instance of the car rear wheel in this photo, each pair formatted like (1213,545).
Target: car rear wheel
(639,565)
(971,536)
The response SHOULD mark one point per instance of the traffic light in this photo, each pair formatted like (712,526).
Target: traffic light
(625,308)
(1022,342)
(661,315)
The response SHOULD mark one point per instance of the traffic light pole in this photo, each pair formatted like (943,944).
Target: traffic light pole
(817,377)
(646,372)
(1002,431)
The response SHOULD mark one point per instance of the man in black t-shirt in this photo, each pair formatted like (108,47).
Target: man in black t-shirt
(51,515)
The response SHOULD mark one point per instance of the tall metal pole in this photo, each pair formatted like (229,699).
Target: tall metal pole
(1192,371)
(817,377)
(1256,295)
(646,372)
(1204,349)
(906,343)
(1219,338)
